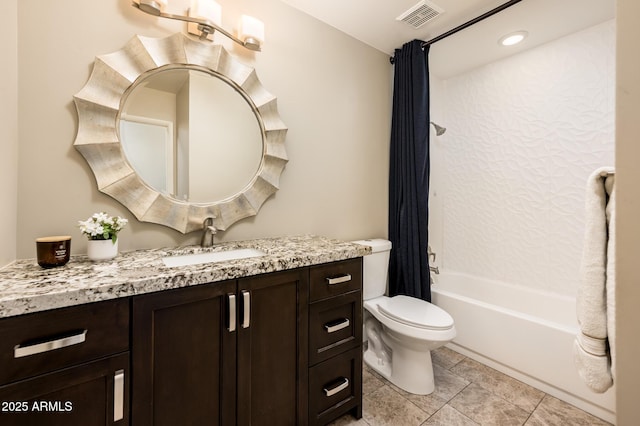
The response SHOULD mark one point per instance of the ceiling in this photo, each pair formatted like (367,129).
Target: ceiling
(374,22)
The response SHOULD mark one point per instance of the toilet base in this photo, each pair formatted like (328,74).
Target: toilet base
(381,367)
(409,370)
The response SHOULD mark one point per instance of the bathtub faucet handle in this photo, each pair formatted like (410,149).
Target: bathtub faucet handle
(430,254)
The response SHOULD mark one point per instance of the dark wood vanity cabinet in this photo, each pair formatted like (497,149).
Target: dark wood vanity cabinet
(183,357)
(272,349)
(66,367)
(223,353)
(283,348)
(335,341)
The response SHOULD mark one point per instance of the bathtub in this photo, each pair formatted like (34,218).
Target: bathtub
(522,332)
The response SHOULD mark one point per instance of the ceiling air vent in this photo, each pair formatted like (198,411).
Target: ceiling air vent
(420,14)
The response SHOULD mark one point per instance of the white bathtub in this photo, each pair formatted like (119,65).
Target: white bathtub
(524,333)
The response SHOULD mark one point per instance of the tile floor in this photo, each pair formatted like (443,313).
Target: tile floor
(467,393)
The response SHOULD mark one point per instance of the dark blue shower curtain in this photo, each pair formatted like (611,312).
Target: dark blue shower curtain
(409,174)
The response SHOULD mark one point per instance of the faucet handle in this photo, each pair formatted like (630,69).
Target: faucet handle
(430,253)
(213,229)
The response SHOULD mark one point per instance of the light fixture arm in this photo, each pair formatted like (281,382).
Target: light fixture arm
(205,26)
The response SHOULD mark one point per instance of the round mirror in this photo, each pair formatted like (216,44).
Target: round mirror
(188,135)
(178,131)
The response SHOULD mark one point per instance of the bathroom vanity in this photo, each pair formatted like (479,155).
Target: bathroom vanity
(274,339)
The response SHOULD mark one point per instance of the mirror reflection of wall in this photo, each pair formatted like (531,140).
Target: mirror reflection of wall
(216,143)
(152,153)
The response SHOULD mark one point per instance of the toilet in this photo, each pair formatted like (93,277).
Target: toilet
(401,331)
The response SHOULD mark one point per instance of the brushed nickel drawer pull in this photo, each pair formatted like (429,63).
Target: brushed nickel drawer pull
(19,351)
(337,388)
(246,301)
(232,312)
(118,395)
(333,326)
(339,280)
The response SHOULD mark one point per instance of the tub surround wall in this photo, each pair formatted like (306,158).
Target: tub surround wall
(507,198)
(333,94)
(509,176)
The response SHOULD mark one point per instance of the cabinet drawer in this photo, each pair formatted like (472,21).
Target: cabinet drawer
(91,394)
(335,325)
(335,278)
(46,341)
(335,387)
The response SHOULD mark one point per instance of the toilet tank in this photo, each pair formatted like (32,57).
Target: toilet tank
(375,268)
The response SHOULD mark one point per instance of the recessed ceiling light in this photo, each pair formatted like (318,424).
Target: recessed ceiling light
(513,38)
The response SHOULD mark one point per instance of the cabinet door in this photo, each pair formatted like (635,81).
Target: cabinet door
(184,356)
(91,394)
(273,349)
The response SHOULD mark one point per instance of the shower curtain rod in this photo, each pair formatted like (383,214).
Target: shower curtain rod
(466,24)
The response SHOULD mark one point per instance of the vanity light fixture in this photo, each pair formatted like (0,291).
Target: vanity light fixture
(205,17)
(513,38)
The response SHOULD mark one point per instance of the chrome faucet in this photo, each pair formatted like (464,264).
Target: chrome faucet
(208,231)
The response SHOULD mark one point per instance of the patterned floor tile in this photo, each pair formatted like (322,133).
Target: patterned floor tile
(554,412)
(512,390)
(486,408)
(467,394)
(447,386)
(386,407)
(446,357)
(449,416)
(348,420)
(371,381)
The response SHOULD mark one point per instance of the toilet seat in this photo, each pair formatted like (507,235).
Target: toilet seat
(416,313)
(400,321)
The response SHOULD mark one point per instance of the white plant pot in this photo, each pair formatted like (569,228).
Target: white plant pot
(102,249)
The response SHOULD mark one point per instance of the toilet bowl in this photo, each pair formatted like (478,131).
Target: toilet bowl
(401,331)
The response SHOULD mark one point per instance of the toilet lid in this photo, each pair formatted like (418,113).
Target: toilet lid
(416,313)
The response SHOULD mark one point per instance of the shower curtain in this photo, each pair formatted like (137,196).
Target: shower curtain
(409,174)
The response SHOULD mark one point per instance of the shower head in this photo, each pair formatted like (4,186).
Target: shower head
(439,129)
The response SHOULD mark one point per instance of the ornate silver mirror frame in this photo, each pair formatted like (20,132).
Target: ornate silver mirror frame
(99,106)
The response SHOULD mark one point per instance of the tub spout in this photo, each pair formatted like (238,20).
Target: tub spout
(434,269)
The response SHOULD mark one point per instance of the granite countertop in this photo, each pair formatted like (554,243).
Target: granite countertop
(25,287)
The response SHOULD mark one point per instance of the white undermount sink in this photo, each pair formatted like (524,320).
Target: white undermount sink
(211,257)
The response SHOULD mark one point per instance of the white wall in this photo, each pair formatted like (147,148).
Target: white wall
(628,211)
(8,130)
(523,134)
(333,93)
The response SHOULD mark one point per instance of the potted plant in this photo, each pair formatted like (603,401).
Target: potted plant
(102,232)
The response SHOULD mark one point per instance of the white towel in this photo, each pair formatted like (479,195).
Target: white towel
(594,345)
